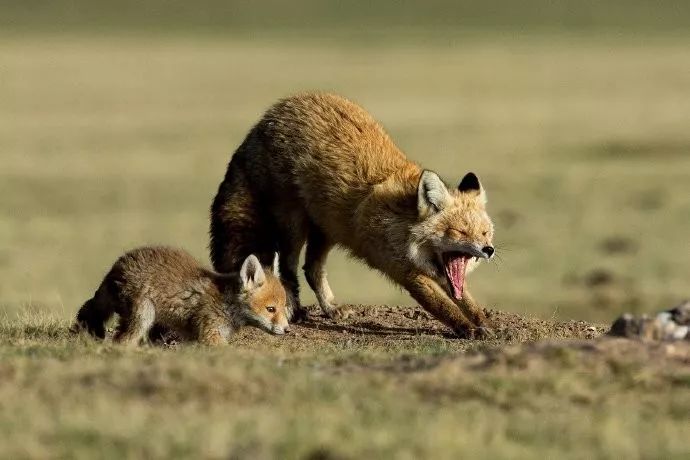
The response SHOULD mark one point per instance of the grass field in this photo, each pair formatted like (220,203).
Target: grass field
(363,388)
(583,148)
(113,137)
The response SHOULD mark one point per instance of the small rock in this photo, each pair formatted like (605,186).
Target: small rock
(681,313)
(668,325)
(625,326)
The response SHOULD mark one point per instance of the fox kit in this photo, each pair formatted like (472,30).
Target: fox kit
(169,288)
(319,169)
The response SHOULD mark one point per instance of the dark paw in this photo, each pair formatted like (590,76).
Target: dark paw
(299,315)
(339,312)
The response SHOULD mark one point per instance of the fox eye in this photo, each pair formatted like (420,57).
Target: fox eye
(456,233)
(271,309)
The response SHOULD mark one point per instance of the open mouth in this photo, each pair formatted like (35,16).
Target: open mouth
(455,264)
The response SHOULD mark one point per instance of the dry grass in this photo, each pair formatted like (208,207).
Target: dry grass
(280,397)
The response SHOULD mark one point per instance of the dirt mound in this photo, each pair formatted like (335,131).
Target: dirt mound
(387,325)
(397,321)
(522,344)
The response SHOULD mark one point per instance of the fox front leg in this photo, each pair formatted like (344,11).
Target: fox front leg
(436,301)
(471,310)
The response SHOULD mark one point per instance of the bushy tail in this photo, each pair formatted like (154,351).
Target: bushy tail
(92,317)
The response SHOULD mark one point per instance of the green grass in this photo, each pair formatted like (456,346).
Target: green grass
(263,398)
(110,143)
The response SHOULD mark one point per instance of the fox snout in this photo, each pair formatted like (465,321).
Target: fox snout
(280,325)
(472,249)
(279,329)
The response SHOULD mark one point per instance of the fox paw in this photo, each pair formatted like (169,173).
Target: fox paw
(476,333)
(299,315)
(478,318)
(337,312)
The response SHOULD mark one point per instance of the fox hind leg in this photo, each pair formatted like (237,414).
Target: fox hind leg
(290,246)
(238,226)
(96,312)
(91,318)
(212,330)
(135,324)
(318,247)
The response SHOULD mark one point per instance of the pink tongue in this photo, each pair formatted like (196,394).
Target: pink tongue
(455,270)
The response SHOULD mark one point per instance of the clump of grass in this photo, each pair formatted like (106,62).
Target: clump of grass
(34,324)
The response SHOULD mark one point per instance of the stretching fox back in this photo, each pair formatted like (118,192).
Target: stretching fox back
(326,153)
(317,152)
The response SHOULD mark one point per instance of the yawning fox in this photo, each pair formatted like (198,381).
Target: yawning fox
(319,169)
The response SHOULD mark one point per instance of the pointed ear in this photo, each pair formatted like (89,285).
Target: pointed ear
(276,266)
(251,273)
(432,194)
(470,184)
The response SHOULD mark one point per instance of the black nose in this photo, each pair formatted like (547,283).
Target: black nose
(488,250)
(286,330)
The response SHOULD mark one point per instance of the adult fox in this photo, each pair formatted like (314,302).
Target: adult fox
(319,169)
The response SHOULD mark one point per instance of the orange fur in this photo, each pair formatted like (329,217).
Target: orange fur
(319,169)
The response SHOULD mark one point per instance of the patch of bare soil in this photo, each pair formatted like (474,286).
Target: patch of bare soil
(522,344)
(386,325)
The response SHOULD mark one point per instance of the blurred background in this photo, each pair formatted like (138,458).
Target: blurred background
(117,120)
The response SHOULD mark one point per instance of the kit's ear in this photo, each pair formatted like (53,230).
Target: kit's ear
(251,273)
(432,194)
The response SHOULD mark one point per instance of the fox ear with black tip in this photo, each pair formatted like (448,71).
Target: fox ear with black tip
(470,184)
(251,273)
(432,194)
